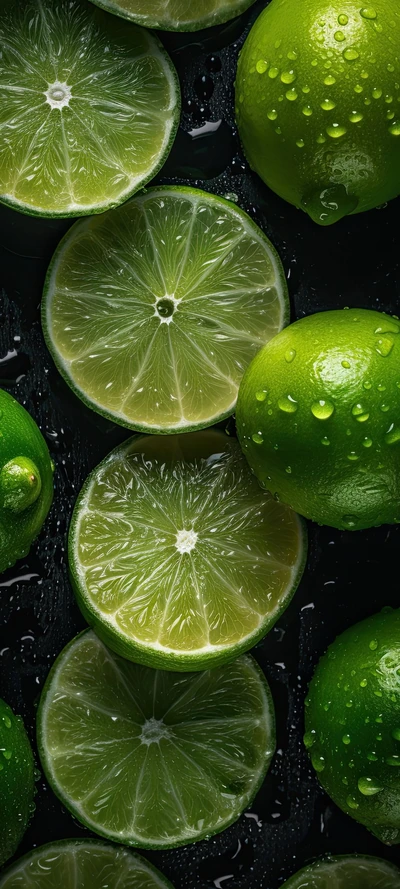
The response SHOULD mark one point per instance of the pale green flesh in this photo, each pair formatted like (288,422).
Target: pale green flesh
(110,132)
(177,548)
(347,872)
(176,15)
(227,296)
(153,758)
(72,864)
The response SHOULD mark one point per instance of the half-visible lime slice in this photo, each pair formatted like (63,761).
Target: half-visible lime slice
(154,311)
(179,559)
(347,872)
(89,107)
(176,15)
(82,864)
(150,758)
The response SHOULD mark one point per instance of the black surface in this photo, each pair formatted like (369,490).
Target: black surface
(349,576)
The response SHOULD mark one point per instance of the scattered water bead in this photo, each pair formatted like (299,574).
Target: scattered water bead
(291,95)
(384,346)
(339,36)
(287,404)
(272,114)
(392,436)
(369,787)
(363,683)
(376,93)
(318,761)
(393,761)
(352,802)
(372,757)
(261,66)
(373,645)
(360,413)
(335,131)
(396,734)
(343,19)
(325,441)
(288,76)
(395,129)
(346,364)
(307,110)
(7,721)
(309,739)
(257,438)
(368,12)
(290,355)
(328,105)
(300,143)
(346,740)
(350,54)
(261,395)
(322,409)
(288,470)
(273,73)
(355,117)
(329,80)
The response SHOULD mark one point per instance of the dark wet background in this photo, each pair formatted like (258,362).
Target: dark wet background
(349,576)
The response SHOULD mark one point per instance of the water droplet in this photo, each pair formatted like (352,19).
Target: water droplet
(384,408)
(352,802)
(329,80)
(290,355)
(395,129)
(346,740)
(350,54)
(261,66)
(314,63)
(363,683)
(367,384)
(364,75)
(307,111)
(288,76)
(288,470)
(327,105)
(349,521)
(396,734)
(300,143)
(390,67)
(393,436)
(322,409)
(372,757)
(393,760)
(352,456)
(287,404)
(273,72)
(291,95)
(335,131)
(355,117)
(343,19)
(325,441)
(309,739)
(321,139)
(376,94)
(257,438)
(7,754)
(7,721)
(384,346)
(272,114)
(368,12)
(346,364)
(360,412)
(339,36)
(373,645)
(381,387)
(318,762)
(368,786)
(261,396)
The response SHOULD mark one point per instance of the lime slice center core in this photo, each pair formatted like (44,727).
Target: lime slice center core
(186,540)
(58,95)
(153,731)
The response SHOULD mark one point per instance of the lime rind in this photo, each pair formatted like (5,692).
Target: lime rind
(118,622)
(228,10)
(153,54)
(135,866)
(341,871)
(219,376)
(257,749)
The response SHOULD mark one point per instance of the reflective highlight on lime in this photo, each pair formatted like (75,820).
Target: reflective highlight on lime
(82,864)
(317,104)
(149,758)
(89,107)
(346,872)
(326,439)
(352,722)
(178,15)
(178,559)
(17,787)
(153,312)
(26,481)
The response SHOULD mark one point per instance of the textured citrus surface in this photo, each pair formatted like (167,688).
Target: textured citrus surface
(16,782)
(353,723)
(178,558)
(317,98)
(26,481)
(347,872)
(150,758)
(82,864)
(176,15)
(318,417)
(153,311)
(89,107)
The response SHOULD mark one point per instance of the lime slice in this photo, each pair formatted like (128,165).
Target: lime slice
(179,560)
(347,872)
(82,864)
(89,107)
(176,15)
(153,312)
(150,758)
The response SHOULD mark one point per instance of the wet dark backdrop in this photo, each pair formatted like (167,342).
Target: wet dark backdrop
(349,576)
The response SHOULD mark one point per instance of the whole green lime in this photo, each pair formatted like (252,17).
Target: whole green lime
(17,786)
(26,481)
(318,417)
(353,723)
(317,103)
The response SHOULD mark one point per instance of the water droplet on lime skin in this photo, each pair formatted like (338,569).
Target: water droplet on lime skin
(318,762)
(309,739)
(272,114)
(7,754)
(261,66)
(350,54)
(373,645)
(291,95)
(393,761)
(339,36)
(349,521)
(355,117)
(287,404)
(288,76)
(343,19)
(368,786)
(368,12)
(288,470)
(257,438)
(384,346)
(396,734)
(328,105)
(360,412)
(300,143)
(307,111)
(325,441)
(346,740)
(273,73)
(352,802)
(322,409)
(394,130)
(393,436)
(336,131)
(261,395)
(326,206)
(290,355)
(346,364)
(329,80)
(372,757)
(7,721)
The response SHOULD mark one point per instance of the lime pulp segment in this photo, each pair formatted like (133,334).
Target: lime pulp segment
(153,311)
(149,758)
(89,107)
(178,558)
(347,872)
(82,864)
(176,15)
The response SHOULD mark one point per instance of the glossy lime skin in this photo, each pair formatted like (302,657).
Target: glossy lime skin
(25,497)
(352,721)
(317,103)
(17,786)
(318,417)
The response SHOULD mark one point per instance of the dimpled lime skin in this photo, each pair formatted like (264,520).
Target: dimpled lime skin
(352,721)
(21,438)
(317,102)
(318,418)
(17,786)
